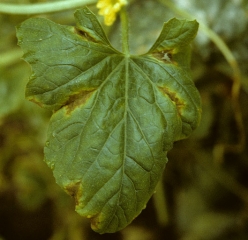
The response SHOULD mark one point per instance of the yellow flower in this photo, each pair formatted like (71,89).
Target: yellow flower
(109,8)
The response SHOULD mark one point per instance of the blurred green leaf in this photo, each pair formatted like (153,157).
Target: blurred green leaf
(12,88)
(115,116)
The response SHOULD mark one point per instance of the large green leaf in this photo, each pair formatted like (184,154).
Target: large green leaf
(115,116)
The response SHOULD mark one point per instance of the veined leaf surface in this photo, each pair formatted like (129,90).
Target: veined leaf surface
(115,116)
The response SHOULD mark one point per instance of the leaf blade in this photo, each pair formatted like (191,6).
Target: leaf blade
(60,58)
(114,119)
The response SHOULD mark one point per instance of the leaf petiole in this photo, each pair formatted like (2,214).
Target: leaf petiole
(124,31)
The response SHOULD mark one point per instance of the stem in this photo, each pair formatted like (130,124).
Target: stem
(124,31)
(40,8)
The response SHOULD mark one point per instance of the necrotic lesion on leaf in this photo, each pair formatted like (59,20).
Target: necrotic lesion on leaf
(78,99)
(73,189)
(164,56)
(174,98)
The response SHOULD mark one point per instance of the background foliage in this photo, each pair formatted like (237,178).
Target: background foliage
(205,182)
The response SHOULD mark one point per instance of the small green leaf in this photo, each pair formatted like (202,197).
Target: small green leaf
(175,34)
(87,22)
(115,116)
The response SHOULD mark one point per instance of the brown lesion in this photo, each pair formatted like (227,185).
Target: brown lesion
(78,99)
(84,35)
(73,189)
(165,56)
(174,98)
(34,100)
(95,222)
